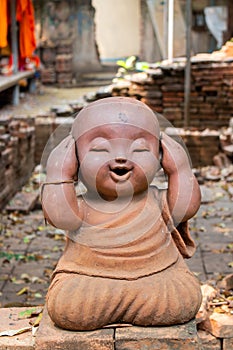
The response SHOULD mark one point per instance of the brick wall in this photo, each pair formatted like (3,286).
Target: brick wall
(58,68)
(162,88)
(17,146)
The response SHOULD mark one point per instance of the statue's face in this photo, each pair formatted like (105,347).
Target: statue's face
(117,159)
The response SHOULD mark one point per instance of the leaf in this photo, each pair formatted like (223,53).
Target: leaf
(28,238)
(205,214)
(221,224)
(8,233)
(15,281)
(38,319)
(24,290)
(25,277)
(56,249)
(10,255)
(223,230)
(30,312)
(219,195)
(219,310)
(41,228)
(11,333)
(38,295)
(34,330)
(59,237)
(35,279)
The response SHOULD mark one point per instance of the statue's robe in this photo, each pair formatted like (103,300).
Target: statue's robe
(129,269)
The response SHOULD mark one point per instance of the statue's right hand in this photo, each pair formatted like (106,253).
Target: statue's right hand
(62,163)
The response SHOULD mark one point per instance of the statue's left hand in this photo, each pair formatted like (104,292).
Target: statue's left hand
(174,156)
(62,163)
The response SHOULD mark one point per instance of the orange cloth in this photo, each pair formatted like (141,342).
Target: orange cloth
(3,23)
(25,17)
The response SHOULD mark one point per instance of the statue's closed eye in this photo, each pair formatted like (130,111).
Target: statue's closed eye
(97,149)
(137,150)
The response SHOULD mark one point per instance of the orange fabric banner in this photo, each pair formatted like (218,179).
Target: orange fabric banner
(3,23)
(25,17)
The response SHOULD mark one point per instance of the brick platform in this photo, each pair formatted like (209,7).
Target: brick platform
(50,337)
(181,337)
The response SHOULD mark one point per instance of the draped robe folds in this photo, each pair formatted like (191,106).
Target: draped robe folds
(141,246)
(127,249)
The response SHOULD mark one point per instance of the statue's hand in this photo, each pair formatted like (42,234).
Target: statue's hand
(62,163)
(174,156)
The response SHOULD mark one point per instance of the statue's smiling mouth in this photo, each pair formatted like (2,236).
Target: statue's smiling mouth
(120,173)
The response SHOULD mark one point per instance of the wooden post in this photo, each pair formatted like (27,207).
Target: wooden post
(229,32)
(156,21)
(187,84)
(170,30)
(165,28)
(14,47)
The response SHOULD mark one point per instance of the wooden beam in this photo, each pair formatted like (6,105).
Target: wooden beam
(14,48)
(187,85)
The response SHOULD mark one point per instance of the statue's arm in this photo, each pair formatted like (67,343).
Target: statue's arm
(59,200)
(183,193)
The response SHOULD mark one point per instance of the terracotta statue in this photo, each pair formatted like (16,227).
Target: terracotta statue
(126,239)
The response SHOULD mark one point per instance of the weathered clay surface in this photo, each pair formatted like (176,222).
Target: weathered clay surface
(127,240)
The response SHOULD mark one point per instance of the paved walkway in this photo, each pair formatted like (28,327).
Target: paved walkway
(29,250)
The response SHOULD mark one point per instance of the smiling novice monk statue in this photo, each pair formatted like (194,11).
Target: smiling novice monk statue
(126,239)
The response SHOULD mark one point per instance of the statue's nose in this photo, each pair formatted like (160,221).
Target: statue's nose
(121,159)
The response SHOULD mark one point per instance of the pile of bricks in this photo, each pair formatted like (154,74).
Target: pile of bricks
(49,130)
(162,88)
(57,65)
(202,146)
(17,145)
(44,128)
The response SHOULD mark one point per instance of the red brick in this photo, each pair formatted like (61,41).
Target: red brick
(227,282)
(50,337)
(208,341)
(64,63)
(48,55)
(23,202)
(227,344)
(48,75)
(219,325)
(180,337)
